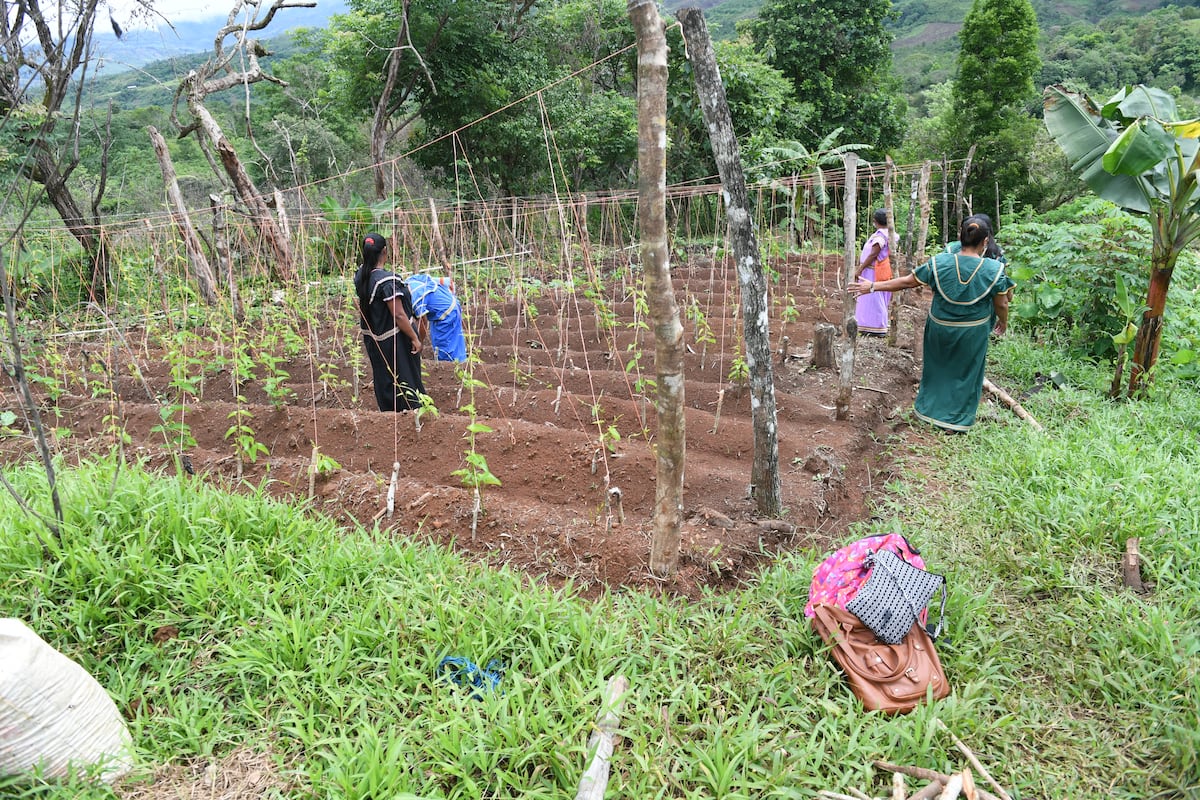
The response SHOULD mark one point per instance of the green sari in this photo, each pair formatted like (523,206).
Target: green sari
(960,322)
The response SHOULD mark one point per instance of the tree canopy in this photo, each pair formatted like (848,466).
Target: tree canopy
(993,93)
(837,55)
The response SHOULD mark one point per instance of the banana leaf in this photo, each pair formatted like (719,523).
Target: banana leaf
(1085,136)
(1139,149)
(1134,102)
(1184,129)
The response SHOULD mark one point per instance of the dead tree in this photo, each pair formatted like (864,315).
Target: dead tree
(394,94)
(764,476)
(46,55)
(216,75)
(660,295)
(205,281)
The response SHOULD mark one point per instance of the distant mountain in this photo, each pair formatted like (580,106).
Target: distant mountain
(138,47)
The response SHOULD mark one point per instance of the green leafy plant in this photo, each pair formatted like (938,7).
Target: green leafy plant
(245,445)
(1133,151)
(739,371)
(176,433)
(8,420)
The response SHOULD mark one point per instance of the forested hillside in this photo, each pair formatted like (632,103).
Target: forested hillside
(1101,43)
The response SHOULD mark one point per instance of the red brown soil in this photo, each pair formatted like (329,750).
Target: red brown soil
(548,517)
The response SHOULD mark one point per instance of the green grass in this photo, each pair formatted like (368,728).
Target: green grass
(321,644)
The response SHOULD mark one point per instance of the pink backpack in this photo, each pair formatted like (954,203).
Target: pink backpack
(839,577)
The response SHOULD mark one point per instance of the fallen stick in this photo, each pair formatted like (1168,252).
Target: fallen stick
(966,751)
(930,791)
(1007,399)
(929,775)
(872,389)
(898,792)
(419,500)
(827,795)
(953,787)
(600,743)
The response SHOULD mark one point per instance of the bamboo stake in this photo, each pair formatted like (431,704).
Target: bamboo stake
(1007,399)
(600,743)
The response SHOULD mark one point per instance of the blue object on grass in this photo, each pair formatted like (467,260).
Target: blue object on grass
(465,672)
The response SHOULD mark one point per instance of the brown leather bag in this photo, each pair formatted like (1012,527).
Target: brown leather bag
(892,678)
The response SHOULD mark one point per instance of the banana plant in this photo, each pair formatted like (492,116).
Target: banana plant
(1133,152)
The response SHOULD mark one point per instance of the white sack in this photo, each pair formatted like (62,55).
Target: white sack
(53,712)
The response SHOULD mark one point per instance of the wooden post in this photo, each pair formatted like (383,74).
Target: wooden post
(439,246)
(205,281)
(960,188)
(752,282)
(888,206)
(918,346)
(660,295)
(600,743)
(1131,566)
(224,257)
(849,324)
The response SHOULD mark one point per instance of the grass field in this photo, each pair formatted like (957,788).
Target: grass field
(234,630)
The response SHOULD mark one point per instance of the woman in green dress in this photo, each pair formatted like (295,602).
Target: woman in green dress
(970,301)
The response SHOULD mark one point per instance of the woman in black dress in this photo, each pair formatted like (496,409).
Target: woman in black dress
(386,315)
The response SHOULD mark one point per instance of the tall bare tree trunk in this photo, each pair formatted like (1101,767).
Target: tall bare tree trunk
(223,255)
(205,282)
(46,172)
(849,323)
(379,124)
(260,214)
(764,476)
(668,331)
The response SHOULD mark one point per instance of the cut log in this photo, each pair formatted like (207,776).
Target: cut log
(600,744)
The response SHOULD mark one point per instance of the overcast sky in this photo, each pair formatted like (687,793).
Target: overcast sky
(125,12)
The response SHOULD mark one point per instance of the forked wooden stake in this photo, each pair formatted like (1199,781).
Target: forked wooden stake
(717,416)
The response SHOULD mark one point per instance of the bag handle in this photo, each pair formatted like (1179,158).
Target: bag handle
(933,632)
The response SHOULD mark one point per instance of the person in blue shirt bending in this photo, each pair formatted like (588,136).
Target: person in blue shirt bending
(439,316)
